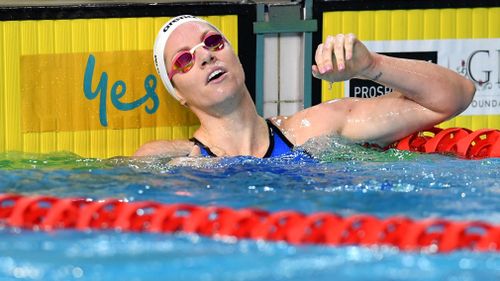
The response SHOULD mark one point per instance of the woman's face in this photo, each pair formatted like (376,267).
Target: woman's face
(216,75)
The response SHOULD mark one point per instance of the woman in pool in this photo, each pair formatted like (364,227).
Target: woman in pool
(201,70)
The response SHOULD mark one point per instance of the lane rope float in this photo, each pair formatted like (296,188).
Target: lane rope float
(461,142)
(48,213)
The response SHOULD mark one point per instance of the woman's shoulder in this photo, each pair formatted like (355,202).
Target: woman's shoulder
(322,119)
(173,148)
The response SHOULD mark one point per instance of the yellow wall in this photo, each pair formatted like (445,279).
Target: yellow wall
(43,107)
(417,25)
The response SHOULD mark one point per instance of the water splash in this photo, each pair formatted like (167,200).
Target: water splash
(336,148)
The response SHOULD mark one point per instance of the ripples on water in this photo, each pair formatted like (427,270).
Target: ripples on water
(342,178)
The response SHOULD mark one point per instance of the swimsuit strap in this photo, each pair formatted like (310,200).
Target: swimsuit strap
(278,143)
(205,151)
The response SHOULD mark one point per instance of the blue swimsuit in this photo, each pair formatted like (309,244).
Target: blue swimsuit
(278,143)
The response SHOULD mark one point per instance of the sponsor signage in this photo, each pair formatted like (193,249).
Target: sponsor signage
(92,91)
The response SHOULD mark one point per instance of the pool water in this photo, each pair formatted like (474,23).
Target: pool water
(342,178)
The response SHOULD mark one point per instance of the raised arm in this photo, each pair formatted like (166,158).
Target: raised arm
(424,94)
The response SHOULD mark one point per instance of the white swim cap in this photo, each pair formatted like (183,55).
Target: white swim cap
(161,41)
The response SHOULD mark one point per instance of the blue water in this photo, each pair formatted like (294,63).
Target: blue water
(344,179)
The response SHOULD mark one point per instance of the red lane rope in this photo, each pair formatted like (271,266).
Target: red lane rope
(50,213)
(460,142)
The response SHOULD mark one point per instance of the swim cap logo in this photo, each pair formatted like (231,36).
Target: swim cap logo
(176,20)
(156,63)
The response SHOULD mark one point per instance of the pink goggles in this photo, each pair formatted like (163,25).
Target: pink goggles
(184,61)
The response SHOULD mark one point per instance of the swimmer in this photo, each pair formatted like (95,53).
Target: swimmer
(199,68)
